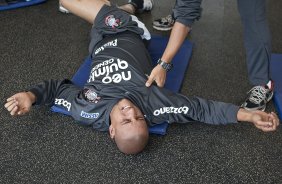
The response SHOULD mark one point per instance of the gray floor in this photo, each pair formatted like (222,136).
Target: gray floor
(38,42)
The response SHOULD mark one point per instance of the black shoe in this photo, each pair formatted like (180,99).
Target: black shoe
(164,24)
(257,98)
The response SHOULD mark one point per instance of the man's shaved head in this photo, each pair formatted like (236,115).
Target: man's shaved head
(132,142)
(128,127)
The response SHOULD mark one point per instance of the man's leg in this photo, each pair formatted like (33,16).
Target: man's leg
(257,42)
(86,9)
(131,7)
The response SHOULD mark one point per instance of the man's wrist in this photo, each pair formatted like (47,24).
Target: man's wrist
(166,66)
(31,96)
(244,115)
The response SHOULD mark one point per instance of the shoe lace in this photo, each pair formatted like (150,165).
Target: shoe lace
(167,19)
(258,94)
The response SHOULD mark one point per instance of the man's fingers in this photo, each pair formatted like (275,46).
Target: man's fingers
(12,106)
(22,112)
(266,128)
(274,118)
(264,123)
(14,110)
(11,99)
(149,81)
(269,128)
(8,104)
(274,115)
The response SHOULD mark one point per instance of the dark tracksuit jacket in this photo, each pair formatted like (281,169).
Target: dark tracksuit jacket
(119,69)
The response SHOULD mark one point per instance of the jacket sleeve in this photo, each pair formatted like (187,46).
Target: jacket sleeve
(47,91)
(187,11)
(177,108)
(65,95)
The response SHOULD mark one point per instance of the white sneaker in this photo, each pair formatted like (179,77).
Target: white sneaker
(258,97)
(164,23)
(148,5)
(142,5)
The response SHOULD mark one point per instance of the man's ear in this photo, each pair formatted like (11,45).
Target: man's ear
(112,131)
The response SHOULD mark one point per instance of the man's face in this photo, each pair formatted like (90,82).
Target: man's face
(128,127)
(127,119)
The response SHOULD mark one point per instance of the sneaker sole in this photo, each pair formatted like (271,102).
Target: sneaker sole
(162,28)
(255,109)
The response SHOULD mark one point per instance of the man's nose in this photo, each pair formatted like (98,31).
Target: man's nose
(131,113)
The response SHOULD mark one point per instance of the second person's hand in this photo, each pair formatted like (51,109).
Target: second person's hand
(158,75)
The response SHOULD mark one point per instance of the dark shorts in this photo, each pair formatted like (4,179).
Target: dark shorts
(111,20)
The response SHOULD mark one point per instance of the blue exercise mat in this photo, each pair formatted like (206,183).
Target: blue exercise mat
(12,4)
(156,48)
(276,76)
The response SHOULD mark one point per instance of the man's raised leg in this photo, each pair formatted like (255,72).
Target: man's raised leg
(86,9)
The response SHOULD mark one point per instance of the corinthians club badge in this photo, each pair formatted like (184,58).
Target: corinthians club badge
(112,21)
(91,96)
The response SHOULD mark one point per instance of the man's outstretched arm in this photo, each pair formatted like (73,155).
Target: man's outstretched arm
(86,9)
(43,93)
(177,108)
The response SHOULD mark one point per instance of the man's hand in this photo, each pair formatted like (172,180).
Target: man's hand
(20,103)
(265,121)
(158,75)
